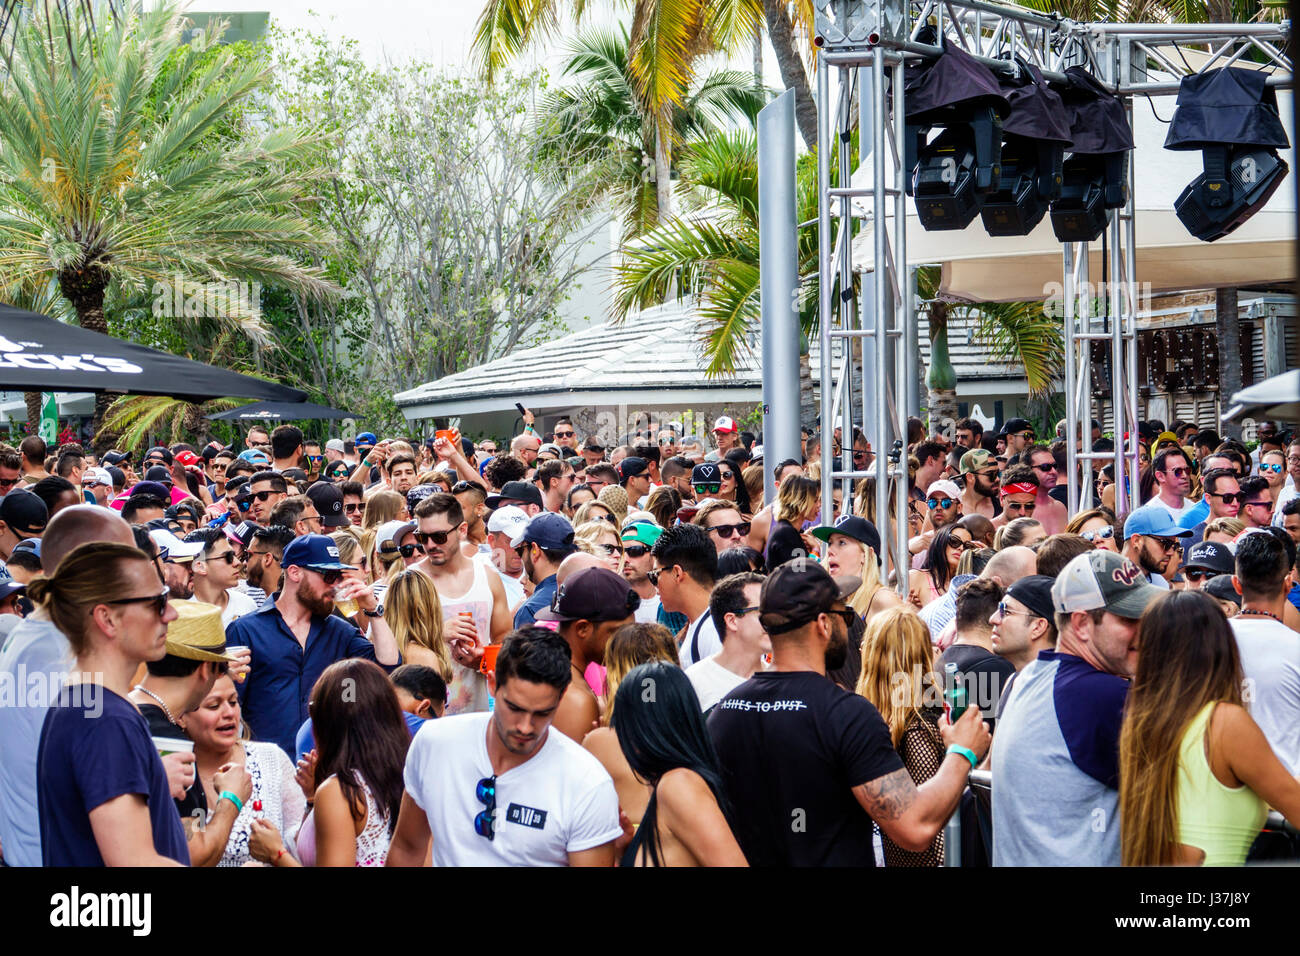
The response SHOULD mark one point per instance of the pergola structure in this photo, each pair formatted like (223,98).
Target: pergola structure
(865,43)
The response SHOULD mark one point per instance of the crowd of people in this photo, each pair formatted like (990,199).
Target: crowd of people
(547,651)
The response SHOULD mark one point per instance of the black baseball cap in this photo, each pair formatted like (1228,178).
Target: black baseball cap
(631,467)
(1015,425)
(1212,556)
(160,474)
(851,526)
(24,513)
(795,593)
(115,457)
(706,473)
(524,491)
(592,594)
(329,502)
(159,451)
(1220,587)
(155,488)
(591,444)
(1035,593)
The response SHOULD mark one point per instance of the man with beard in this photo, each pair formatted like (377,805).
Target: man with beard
(262,570)
(1151,542)
(788,740)
(296,635)
(1050,513)
(943,507)
(502,788)
(638,538)
(1173,478)
(980,496)
(178,558)
(546,541)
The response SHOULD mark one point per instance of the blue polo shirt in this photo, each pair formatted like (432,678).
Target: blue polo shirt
(274,694)
(541,599)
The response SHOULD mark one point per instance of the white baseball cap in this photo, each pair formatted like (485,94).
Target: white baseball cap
(177,550)
(334,444)
(724,424)
(96,476)
(509,520)
(943,487)
(393,532)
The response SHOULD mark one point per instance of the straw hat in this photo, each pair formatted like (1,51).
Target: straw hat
(197,634)
(614,498)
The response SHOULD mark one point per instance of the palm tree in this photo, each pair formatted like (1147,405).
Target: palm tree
(667,39)
(602,116)
(118,173)
(714,256)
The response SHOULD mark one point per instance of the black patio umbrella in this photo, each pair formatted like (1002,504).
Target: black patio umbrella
(38,354)
(280,411)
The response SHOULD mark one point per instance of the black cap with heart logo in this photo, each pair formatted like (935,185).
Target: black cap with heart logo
(328,500)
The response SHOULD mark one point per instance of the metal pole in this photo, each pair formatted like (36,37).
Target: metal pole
(844,302)
(1072,477)
(879,198)
(867,297)
(824,279)
(905,311)
(911,342)
(1130,287)
(778,284)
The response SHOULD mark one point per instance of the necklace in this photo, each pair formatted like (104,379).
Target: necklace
(161,703)
(1251,610)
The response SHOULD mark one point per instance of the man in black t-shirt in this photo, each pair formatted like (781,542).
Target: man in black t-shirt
(807,765)
(983,673)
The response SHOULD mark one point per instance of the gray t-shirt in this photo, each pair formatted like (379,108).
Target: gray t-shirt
(33,663)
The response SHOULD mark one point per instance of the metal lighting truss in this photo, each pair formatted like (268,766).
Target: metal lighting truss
(864,42)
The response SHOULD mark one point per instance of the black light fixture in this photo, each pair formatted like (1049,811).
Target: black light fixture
(1095,174)
(1035,136)
(950,175)
(1231,115)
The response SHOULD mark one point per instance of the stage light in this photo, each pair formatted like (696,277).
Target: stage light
(950,175)
(1095,174)
(1035,136)
(1230,114)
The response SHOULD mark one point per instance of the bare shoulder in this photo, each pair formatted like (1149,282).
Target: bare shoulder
(683,788)
(885,597)
(599,741)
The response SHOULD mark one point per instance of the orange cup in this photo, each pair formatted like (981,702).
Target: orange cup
(489,661)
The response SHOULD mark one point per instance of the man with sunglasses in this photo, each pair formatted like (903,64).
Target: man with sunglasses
(980,472)
(556,478)
(11,471)
(638,538)
(1018,488)
(723,524)
(1256,505)
(1019,435)
(588,607)
(1173,477)
(502,789)
(726,434)
(1221,500)
(686,567)
(1152,541)
(1024,623)
(354,501)
(1050,513)
(268,489)
(258,438)
(566,437)
(296,635)
(262,572)
(634,476)
(313,458)
(1206,561)
(216,574)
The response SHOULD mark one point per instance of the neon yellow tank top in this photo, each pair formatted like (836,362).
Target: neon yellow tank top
(1222,821)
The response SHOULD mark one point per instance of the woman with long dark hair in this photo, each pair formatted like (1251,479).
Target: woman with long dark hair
(353,779)
(941,559)
(1196,774)
(733,488)
(662,735)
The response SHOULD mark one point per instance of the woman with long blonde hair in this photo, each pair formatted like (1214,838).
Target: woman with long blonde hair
(629,647)
(852,551)
(601,539)
(1196,774)
(898,678)
(383,506)
(414,613)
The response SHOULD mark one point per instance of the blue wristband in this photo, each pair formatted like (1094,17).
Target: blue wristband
(953,749)
(239,804)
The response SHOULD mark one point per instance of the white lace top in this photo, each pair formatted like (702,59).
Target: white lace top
(274,788)
(372,841)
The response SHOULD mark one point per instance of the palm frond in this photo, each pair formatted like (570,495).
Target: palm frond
(506,27)
(1021,332)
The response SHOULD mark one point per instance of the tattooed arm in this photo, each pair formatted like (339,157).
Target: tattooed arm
(912,815)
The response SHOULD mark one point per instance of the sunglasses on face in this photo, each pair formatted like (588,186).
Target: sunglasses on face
(437,537)
(1101,534)
(568,434)
(635,550)
(1028,436)
(611,548)
(8,482)
(1166,544)
(958,544)
(486,791)
(264,495)
(710,489)
(244,503)
(1275,469)
(405,550)
(1045,468)
(1004,611)
(159,601)
(229,557)
(653,576)
(860,454)
(933,503)
(1016,506)
(725,531)
(1197,576)
(330,578)
(1257,504)
(315,459)
(354,509)
(1178,472)
(1228,498)
(989,475)
(845,614)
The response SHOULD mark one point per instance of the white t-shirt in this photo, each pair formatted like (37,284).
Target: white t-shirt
(1174,513)
(560,801)
(237,606)
(702,638)
(648,611)
(712,681)
(1270,659)
(514,587)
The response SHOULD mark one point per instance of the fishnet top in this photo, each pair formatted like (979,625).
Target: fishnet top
(922,751)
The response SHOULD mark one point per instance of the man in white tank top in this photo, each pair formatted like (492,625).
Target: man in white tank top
(474,601)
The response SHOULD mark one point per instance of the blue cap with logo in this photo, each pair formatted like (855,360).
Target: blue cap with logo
(366,440)
(549,530)
(1154,521)
(317,552)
